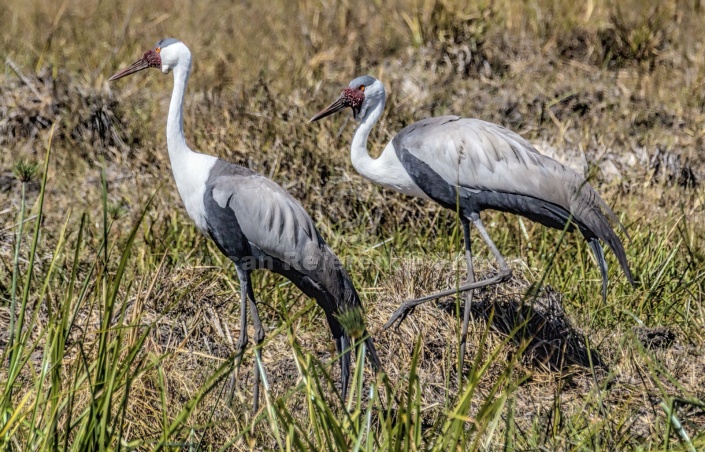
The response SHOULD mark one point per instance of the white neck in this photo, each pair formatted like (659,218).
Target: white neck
(175,140)
(191,169)
(361,160)
(386,170)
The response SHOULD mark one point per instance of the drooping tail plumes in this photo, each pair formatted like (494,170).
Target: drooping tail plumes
(352,322)
(372,353)
(351,316)
(596,247)
(331,287)
(593,216)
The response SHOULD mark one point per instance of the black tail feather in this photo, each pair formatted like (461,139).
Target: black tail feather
(342,344)
(596,247)
(334,292)
(596,226)
(372,354)
(594,218)
(618,249)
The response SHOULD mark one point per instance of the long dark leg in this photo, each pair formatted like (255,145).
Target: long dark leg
(244,277)
(259,337)
(468,298)
(504,271)
(504,274)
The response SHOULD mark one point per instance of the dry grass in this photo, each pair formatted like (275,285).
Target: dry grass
(616,93)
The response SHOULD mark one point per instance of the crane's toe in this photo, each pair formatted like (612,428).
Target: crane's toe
(259,335)
(398,317)
(241,343)
(505,274)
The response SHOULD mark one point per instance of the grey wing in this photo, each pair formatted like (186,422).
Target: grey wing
(268,216)
(272,221)
(479,155)
(247,211)
(511,174)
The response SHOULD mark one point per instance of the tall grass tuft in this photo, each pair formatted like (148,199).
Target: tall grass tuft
(120,338)
(78,404)
(383,415)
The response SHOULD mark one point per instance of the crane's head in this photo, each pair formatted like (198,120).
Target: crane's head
(166,54)
(361,94)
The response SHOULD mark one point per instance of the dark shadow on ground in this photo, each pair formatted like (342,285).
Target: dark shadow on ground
(553,342)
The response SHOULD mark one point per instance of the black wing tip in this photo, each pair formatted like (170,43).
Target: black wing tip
(345,363)
(598,225)
(372,354)
(618,249)
(596,247)
(630,278)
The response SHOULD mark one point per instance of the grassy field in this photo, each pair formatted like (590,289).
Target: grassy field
(117,317)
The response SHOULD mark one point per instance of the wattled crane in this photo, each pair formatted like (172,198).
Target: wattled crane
(252,220)
(469,165)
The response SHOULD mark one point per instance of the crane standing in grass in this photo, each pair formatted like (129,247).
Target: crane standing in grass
(469,165)
(253,221)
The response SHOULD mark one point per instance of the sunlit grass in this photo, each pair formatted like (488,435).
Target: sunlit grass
(120,316)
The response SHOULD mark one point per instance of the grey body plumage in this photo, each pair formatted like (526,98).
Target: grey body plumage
(259,225)
(541,189)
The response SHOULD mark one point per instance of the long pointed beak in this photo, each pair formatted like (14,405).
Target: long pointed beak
(332,108)
(137,66)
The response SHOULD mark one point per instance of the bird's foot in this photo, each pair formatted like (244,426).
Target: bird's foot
(505,274)
(259,335)
(399,316)
(241,345)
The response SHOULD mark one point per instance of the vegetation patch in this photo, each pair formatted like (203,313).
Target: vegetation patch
(117,318)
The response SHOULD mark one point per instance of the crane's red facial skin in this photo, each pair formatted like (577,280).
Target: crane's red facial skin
(350,97)
(354,98)
(150,58)
(153,58)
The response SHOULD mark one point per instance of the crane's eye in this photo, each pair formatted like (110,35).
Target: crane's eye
(362,88)
(158,49)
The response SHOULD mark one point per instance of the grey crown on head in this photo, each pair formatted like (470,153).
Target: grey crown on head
(166,42)
(365,80)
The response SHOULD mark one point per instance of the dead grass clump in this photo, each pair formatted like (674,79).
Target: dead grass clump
(463,46)
(576,104)
(456,38)
(653,338)
(90,118)
(566,372)
(536,324)
(578,43)
(668,168)
(641,40)
(551,341)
